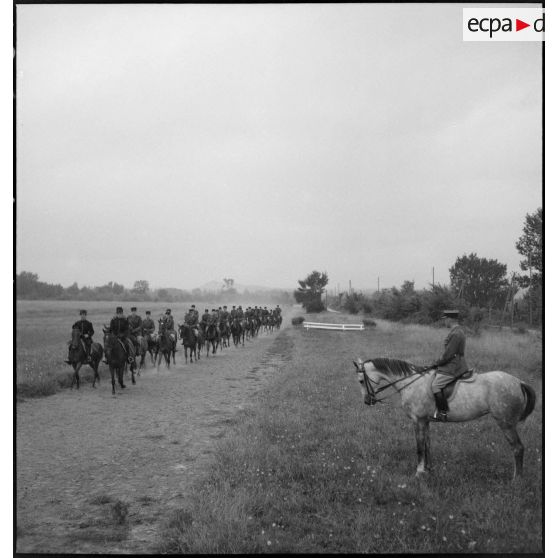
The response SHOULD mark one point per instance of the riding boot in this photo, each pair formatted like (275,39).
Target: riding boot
(441,413)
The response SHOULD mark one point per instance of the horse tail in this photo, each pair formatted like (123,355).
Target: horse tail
(529,393)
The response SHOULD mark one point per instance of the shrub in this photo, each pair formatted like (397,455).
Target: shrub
(297,320)
(369,322)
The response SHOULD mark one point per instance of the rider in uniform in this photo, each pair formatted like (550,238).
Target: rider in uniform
(168,322)
(191,320)
(205,320)
(148,325)
(214,317)
(135,323)
(120,327)
(450,365)
(196,313)
(85,333)
(225,316)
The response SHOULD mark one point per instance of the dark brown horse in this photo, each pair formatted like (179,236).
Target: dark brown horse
(166,346)
(211,338)
(225,334)
(78,357)
(117,360)
(237,331)
(190,341)
(141,349)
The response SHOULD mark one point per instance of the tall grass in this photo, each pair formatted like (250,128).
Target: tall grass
(311,469)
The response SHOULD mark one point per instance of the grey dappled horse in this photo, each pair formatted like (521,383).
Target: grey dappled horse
(506,398)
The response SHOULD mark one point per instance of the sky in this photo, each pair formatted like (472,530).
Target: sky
(186,143)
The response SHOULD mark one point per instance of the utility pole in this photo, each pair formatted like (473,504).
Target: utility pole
(530,291)
(378,283)
(350,288)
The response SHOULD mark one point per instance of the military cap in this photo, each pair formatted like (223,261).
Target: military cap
(193,306)
(83,312)
(148,312)
(206,310)
(119,310)
(224,306)
(133,308)
(168,311)
(234,306)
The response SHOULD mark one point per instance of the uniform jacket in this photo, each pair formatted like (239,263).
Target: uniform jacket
(168,320)
(191,319)
(205,318)
(135,324)
(119,326)
(85,327)
(452,362)
(224,316)
(148,326)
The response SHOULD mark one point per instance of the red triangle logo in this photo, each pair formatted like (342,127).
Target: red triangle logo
(519,25)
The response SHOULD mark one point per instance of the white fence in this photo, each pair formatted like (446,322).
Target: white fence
(340,327)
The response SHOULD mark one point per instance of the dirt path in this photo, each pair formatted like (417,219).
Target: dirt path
(80,453)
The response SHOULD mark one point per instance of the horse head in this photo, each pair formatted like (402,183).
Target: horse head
(367,380)
(74,343)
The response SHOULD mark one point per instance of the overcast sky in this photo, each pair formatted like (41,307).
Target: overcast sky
(186,143)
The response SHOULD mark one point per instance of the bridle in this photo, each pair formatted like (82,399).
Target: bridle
(370,397)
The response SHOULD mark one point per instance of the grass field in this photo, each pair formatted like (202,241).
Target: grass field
(310,468)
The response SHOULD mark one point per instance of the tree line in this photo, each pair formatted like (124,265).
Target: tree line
(479,287)
(29,287)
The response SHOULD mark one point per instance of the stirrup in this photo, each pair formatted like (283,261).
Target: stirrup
(131,359)
(440,416)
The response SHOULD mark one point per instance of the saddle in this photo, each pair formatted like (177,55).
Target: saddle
(451,389)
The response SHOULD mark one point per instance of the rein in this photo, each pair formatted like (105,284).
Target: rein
(370,389)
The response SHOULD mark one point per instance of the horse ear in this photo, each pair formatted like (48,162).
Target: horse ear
(356,365)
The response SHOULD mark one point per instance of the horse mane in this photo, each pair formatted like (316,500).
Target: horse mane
(393,366)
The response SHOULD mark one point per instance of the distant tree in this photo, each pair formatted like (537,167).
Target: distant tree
(162,294)
(309,294)
(26,283)
(479,281)
(72,290)
(141,287)
(529,246)
(228,287)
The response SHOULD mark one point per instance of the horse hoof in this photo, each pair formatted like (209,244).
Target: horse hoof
(122,386)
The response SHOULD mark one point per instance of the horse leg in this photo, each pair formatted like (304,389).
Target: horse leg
(112,377)
(510,432)
(76,375)
(427,455)
(96,376)
(121,377)
(421,435)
